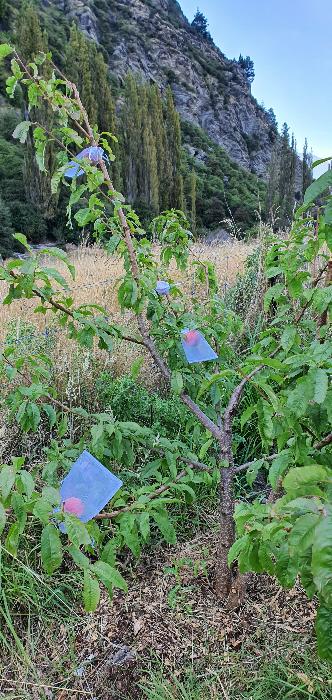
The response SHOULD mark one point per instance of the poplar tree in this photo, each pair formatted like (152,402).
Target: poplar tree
(30,40)
(306,167)
(193,195)
(272,190)
(159,132)
(6,229)
(130,136)
(173,131)
(78,68)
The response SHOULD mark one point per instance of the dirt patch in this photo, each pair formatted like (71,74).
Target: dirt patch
(171,615)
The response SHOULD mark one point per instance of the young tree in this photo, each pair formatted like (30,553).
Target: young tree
(247,66)
(200,24)
(288,370)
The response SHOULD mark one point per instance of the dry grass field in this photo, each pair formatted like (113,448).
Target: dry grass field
(97,278)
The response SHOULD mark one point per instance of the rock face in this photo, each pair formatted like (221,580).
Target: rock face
(153,38)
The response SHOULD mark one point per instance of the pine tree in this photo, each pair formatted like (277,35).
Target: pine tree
(306,168)
(272,119)
(247,66)
(200,24)
(173,131)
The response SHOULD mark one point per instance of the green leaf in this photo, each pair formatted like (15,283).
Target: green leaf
(51,548)
(165,526)
(21,131)
(324,632)
(12,539)
(303,532)
(78,557)
(19,507)
(318,187)
(128,530)
(50,412)
(265,424)
(3,518)
(27,482)
(91,592)
(321,383)
(177,382)
(246,415)
(321,563)
(144,525)
(109,575)
(320,161)
(76,531)
(253,470)
(5,50)
(205,448)
(303,476)
(279,466)
(42,510)
(7,480)
(237,547)
(288,336)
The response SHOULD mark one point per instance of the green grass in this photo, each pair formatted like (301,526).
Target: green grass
(296,675)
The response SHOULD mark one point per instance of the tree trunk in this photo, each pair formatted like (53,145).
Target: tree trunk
(227,532)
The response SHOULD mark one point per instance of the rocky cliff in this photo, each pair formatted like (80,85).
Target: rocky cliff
(153,38)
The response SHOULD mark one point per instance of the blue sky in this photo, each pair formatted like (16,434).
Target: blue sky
(290,42)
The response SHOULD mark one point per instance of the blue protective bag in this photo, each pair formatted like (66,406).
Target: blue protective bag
(91,153)
(91,483)
(163,287)
(198,350)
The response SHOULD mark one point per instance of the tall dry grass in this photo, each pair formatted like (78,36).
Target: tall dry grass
(98,274)
(96,282)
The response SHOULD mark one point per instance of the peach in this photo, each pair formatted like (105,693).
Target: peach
(191,338)
(74,506)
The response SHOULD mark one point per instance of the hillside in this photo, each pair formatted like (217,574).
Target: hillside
(207,145)
(153,38)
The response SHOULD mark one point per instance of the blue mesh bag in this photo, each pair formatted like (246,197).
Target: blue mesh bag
(196,348)
(163,288)
(87,488)
(92,153)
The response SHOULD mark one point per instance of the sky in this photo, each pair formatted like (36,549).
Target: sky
(290,42)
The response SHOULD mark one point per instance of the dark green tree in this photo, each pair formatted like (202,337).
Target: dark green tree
(306,167)
(6,229)
(200,24)
(78,68)
(247,66)
(5,13)
(193,196)
(30,39)
(286,176)
(173,131)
